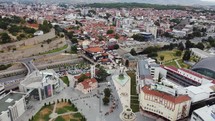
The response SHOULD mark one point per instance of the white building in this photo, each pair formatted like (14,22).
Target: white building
(200,53)
(2,90)
(160,102)
(42,84)
(12,106)
(206,113)
(200,93)
(87,85)
(152,29)
(38,33)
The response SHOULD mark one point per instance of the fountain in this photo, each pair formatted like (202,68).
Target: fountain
(127,115)
(121,78)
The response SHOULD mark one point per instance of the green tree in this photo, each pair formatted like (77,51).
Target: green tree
(74,49)
(14,29)
(200,46)
(161,57)
(153,54)
(110,31)
(189,44)
(82,78)
(74,40)
(106,100)
(181,46)
(133,52)
(116,46)
(107,92)
(178,53)
(101,74)
(45,27)
(186,56)
(5,38)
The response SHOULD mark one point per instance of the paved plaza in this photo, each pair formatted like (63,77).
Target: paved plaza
(91,104)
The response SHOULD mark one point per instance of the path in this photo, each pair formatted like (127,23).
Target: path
(176,61)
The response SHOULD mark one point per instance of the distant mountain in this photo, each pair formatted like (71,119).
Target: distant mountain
(165,2)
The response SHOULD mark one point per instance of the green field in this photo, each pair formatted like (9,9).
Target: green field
(67,111)
(55,50)
(134,96)
(168,55)
(65,80)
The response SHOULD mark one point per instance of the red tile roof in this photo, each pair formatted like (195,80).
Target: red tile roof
(33,25)
(87,82)
(187,71)
(173,99)
(94,49)
(87,74)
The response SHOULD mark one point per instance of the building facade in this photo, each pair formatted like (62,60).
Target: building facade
(165,105)
(12,106)
(42,84)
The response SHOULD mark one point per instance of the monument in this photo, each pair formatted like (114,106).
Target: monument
(127,115)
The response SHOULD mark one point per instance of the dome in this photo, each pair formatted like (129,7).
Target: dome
(206,67)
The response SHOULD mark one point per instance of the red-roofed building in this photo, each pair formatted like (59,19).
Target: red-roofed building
(162,104)
(87,85)
(96,53)
(186,77)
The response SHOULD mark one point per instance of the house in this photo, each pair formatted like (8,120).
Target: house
(38,33)
(87,85)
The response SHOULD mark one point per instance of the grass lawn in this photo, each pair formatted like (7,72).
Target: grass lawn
(168,55)
(183,65)
(43,114)
(172,63)
(134,96)
(65,80)
(61,108)
(64,107)
(55,50)
(69,117)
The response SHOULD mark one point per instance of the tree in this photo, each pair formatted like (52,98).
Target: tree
(116,46)
(189,44)
(181,46)
(74,40)
(14,29)
(5,38)
(126,63)
(107,92)
(82,78)
(133,52)
(110,31)
(200,46)
(186,56)
(74,49)
(101,74)
(161,57)
(106,100)
(45,27)
(138,37)
(153,54)
(178,53)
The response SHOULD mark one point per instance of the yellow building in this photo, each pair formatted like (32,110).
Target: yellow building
(170,107)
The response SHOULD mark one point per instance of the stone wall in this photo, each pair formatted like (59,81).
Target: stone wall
(28,42)
(34,50)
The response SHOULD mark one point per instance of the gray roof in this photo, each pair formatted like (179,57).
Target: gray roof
(207,63)
(11,96)
(143,69)
(128,56)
